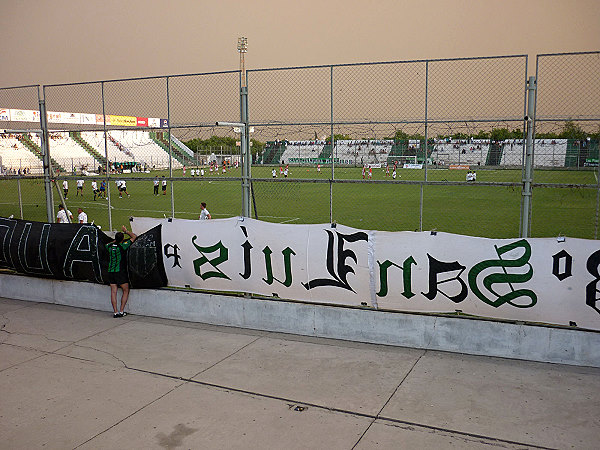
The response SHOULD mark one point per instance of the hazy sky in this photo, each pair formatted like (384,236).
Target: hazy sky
(60,41)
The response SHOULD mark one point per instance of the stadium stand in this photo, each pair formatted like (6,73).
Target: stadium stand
(273,151)
(76,136)
(512,152)
(351,152)
(302,152)
(180,155)
(364,151)
(35,148)
(446,152)
(14,155)
(67,152)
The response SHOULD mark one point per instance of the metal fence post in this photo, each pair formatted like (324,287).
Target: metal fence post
(332,143)
(46,157)
(527,178)
(597,194)
(107,165)
(245,146)
(426,124)
(20,199)
(170,151)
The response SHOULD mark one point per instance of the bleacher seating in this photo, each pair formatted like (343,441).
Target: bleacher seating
(14,155)
(137,143)
(448,152)
(550,152)
(346,151)
(68,153)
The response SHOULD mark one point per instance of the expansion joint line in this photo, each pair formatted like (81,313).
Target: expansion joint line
(378,415)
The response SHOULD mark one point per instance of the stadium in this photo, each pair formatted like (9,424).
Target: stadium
(399,253)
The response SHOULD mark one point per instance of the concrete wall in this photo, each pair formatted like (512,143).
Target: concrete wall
(453,334)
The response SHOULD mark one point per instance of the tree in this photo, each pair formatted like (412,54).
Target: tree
(500,134)
(571,130)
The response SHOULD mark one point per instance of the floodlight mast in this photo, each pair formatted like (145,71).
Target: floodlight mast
(245,136)
(242,47)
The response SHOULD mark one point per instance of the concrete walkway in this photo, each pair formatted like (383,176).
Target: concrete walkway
(72,378)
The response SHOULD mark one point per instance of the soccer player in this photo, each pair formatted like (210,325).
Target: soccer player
(63,216)
(81,217)
(318,167)
(155,185)
(364,170)
(204,214)
(124,187)
(66,188)
(79,187)
(103,189)
(285,172)
(394,174)
(117,269)
(202,172)
(95,189)
(274,173)
(370,173)
(164,186)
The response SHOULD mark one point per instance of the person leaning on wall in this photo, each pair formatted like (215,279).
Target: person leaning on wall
(117,269)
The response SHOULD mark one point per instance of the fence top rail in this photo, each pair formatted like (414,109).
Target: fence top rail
(156,77)
(20,87)
(374,63)
(596,52)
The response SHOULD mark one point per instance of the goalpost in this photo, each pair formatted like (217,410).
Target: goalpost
(404,159)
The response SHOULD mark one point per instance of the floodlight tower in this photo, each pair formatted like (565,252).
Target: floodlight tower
(245,137)
(242,47)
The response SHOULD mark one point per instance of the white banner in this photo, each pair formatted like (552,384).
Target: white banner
(539,280)
(67,117)
(21,115)
(153,122)
(88,119)
(412,166)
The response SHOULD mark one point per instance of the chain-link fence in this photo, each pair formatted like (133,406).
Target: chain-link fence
(566,188)
(408,145)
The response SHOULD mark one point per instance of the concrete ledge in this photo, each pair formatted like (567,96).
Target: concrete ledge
(452,334)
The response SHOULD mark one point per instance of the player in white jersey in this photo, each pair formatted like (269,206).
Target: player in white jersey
(63,216)
(204,214)
(81,217)
(66,188)
(95,188)
(79,187)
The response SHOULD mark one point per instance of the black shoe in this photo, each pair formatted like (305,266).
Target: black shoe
(116,315)
(123,314)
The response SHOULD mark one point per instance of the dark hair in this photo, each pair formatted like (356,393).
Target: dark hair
(60,206)
(203,204)
(119,237)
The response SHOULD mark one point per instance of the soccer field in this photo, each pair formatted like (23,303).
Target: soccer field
(471,209)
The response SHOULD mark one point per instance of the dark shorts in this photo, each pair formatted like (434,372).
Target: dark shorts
(117,278)
(164,188)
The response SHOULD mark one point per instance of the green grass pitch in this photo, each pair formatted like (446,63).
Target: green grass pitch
(470,209)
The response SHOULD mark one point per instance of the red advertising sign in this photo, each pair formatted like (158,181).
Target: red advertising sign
(142,121)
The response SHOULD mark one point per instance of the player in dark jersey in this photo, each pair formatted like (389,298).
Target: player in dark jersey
(117,269)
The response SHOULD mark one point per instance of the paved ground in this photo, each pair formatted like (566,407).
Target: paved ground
(73,378)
